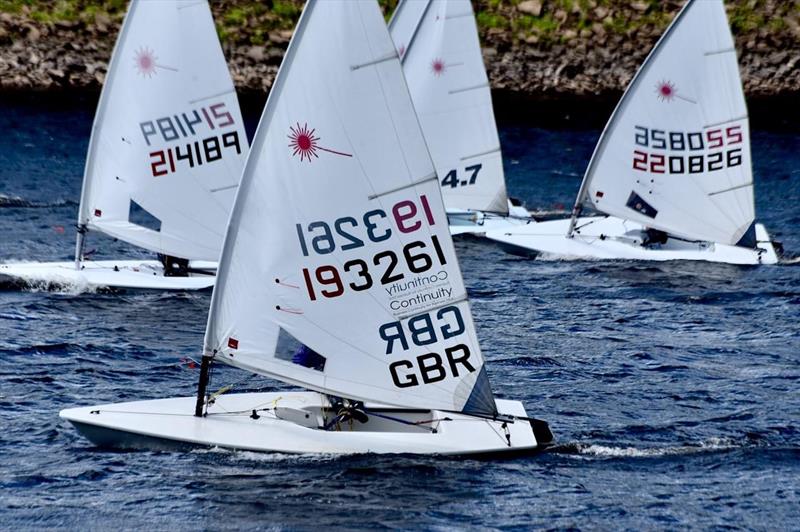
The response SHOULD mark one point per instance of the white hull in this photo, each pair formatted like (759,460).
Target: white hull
(614,238)
(104,274)
(463,222)
(289,422)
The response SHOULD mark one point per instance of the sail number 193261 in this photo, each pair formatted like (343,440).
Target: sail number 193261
(348,233)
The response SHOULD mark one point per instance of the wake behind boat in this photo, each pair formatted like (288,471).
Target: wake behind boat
(438,45)
(321,228)
(672,170)
(165,155)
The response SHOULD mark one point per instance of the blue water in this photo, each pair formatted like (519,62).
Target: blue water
(673,389)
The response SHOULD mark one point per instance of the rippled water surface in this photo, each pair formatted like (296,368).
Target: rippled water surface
(673,389)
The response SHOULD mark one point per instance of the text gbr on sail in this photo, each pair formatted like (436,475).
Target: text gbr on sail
(421,331)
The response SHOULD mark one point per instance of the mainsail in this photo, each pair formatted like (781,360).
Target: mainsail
(675,155)
(168,140)
(441,55)
(338,237)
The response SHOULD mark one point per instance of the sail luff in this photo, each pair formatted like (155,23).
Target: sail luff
(83,208)
(620,107)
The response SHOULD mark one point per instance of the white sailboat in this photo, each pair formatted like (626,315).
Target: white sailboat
(166,152)
(339,275)
(672,170)
(438,44)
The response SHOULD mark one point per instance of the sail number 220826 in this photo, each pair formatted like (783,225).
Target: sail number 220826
(348,233)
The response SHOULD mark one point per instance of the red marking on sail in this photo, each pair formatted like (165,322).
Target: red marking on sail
(98,213)
(599,194)
(233,343)
(145,62)
(305,144)
(438,67)
(666,90)
(401,51)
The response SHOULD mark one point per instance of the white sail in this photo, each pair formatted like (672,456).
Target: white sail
(168,143)
(338,237)
(442,61)
(676,153)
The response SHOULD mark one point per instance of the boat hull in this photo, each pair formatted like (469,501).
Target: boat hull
(608,237)
(289,422)
(103,274)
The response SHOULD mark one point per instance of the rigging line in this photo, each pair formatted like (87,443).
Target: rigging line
(745,185)
(499,435)
(487,152)
(466,89)
(427,178)
(418,424)
(388,57)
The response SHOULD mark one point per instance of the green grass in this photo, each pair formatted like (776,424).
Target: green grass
(491,20)
(251,21)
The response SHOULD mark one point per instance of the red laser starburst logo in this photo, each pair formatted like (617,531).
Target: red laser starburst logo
(666,91)
(438,67)
(145,62)
(304,143)
(401,50)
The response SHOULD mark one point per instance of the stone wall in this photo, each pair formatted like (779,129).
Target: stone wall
(533,48)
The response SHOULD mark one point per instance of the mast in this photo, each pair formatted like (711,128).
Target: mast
(578,207)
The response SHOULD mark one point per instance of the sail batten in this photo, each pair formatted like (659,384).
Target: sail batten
(441,55)
(680,137)
(337,251)
(168,134)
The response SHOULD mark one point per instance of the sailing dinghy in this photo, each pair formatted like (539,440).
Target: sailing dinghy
(339,275)
(671,176)
(166,152)
(438,44)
